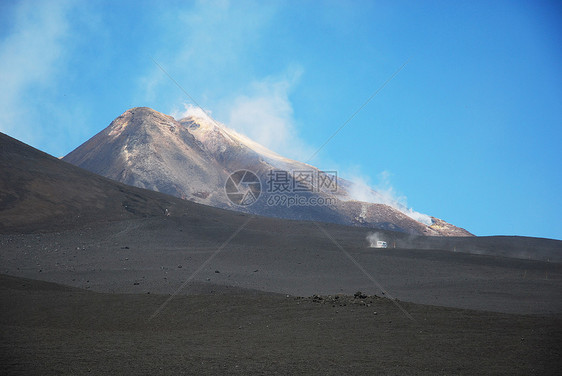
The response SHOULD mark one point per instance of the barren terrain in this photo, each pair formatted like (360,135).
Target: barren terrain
(96,279)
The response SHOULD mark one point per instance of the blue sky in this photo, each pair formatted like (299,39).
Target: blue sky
(469,130)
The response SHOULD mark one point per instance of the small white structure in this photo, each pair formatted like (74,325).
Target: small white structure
(374,242)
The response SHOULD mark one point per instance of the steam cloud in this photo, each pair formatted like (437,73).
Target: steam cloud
(265,115)
(192,111)
(252,118)
(31,56)
(373,238)
(385,194)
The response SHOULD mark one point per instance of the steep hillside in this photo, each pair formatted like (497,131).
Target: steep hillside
(193,158)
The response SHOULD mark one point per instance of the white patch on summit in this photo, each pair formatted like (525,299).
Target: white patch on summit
(209,132)
(118,129)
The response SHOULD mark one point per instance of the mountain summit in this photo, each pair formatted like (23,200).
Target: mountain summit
(199,159)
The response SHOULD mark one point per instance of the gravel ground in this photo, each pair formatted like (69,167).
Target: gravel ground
(160,255)
(50,329)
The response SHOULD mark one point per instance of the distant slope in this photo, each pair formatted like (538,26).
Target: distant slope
(522,247)
(40,192)
(151,150)
(193,157)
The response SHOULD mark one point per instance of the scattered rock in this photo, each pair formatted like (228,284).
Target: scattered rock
(359,295)
(342,300)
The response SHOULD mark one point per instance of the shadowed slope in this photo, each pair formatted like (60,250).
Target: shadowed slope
(40,192)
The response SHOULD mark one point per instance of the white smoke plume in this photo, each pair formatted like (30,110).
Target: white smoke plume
(192,111)
(32,54)
(264,113)
(384,193)
(373,238)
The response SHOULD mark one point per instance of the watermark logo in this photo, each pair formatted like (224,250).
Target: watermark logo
(290,200)
(243,188)
(283,188)
(299,181)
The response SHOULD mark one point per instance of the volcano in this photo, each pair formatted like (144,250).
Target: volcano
(194,158)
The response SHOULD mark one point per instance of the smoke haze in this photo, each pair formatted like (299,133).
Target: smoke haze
(373,238)
(384,193)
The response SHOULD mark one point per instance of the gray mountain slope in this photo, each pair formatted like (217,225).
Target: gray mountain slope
(192,159)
